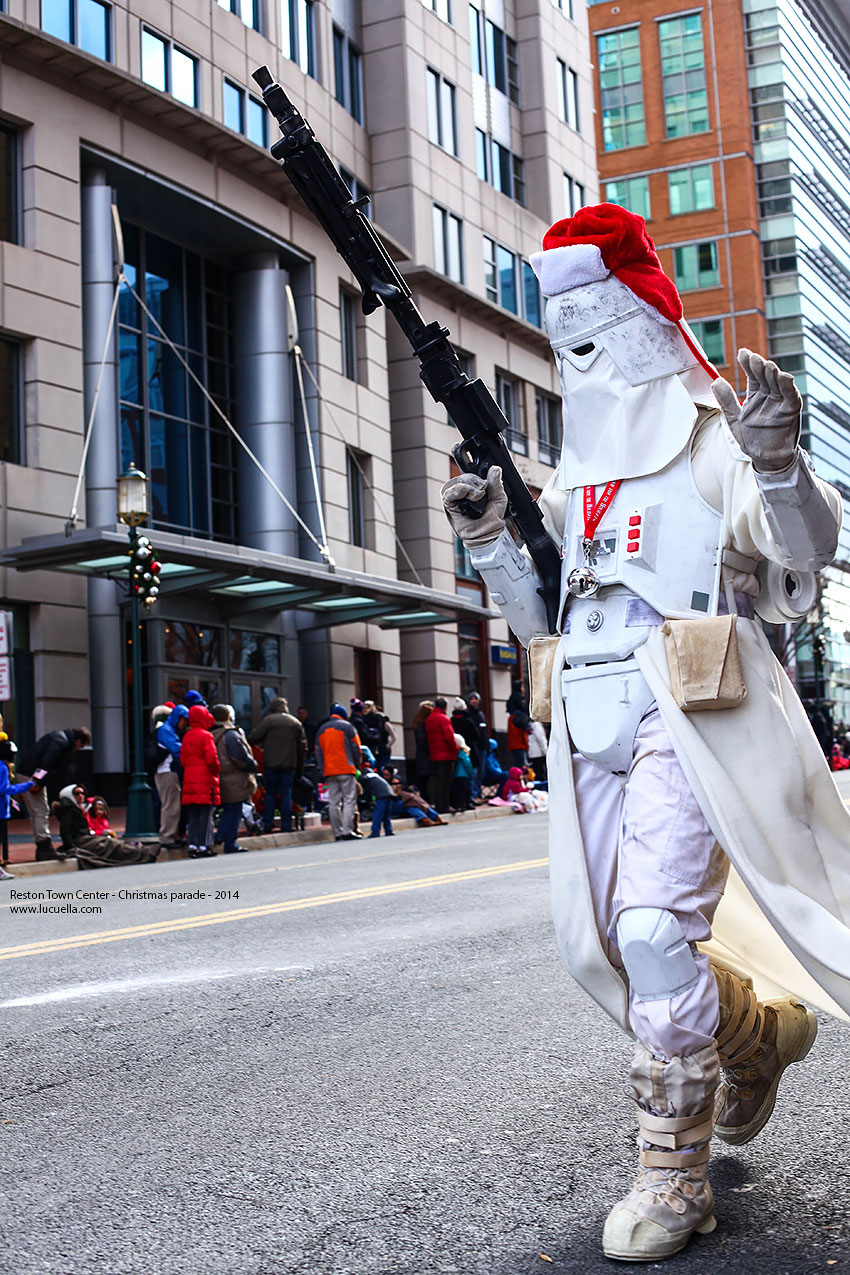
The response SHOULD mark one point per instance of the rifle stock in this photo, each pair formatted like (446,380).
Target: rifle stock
(470,405)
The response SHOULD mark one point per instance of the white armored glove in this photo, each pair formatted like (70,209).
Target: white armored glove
(476,532)
(767,425)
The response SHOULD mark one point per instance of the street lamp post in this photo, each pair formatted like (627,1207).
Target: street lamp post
(133,511)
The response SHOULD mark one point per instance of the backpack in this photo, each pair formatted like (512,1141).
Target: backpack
(154,752)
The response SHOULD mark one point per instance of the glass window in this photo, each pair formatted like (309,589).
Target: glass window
(86,23)
(448,243)
(234,107)
(9,185)
(568,95)
(506,272)
(442,8)
(691,189)
(442,118)
(549,427)
(168,68)
(348,333)
(356,501)
(192,644)
(482,159)
(94,28)
(56,18)
(184,77)
(463,562)
(258,123)
(573,195)
(247,10)
(621,89)
(298,34)
(631,193)
(509,397)
(167,427)
(695,266)
(532,308)
(683,75)
(153,60)
(490,283)
(252,652)
(348,74)
(709,333)
(476,44)
(10,402)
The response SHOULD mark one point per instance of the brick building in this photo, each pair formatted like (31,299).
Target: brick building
(726,126)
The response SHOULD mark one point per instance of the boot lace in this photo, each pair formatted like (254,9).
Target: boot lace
(736,1077)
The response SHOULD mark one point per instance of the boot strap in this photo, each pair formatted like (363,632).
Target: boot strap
(676,1131)
(744,1020)
(674,1159)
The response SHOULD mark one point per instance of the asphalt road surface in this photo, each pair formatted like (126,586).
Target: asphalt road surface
(370,1061)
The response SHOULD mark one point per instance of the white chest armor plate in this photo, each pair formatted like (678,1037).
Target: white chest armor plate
(657,553)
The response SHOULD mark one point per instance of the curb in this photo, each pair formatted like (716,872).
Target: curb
(276,840)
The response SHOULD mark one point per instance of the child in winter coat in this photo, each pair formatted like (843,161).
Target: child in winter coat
(97,817)
(7,791)
(462,783)
(376,787)
(201,769)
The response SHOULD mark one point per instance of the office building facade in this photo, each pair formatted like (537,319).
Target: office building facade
(167,301)
(724,124)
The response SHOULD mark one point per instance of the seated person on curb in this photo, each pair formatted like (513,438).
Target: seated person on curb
(78,839)
(380,792)
(409,801)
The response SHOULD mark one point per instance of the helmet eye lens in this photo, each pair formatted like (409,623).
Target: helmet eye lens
(587,348)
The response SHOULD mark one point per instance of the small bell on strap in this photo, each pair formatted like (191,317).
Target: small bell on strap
(583,582)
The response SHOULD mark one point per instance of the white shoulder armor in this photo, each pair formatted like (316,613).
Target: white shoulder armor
(513,585)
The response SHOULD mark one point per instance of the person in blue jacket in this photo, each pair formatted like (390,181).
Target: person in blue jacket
(167,777)
(7,791)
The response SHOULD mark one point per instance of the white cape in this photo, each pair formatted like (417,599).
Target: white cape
(761,780)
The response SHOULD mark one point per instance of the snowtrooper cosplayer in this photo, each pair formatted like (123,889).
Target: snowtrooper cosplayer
(682,516)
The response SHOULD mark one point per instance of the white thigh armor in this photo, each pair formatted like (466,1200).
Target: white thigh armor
(604,704)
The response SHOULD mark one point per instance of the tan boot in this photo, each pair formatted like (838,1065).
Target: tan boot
(671,1197)
(756,1041)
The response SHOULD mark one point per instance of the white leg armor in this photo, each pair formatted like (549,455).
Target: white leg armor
(656,954)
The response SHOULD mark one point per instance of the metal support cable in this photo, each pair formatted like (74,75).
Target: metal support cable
(299,359)
(296,350)
(72,517)
(322,548)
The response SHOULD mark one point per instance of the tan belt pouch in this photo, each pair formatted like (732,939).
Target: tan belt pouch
(705,666)
(541,660)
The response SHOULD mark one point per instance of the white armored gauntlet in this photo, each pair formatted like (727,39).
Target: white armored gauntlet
(798,514)
(513,585)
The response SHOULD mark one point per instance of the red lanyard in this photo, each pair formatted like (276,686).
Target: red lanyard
(594,510)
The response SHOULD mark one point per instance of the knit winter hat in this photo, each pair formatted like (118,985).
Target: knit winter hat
(606,239)
(458,704)
(337,710)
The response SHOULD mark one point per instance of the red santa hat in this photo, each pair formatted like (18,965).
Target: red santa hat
(603,240)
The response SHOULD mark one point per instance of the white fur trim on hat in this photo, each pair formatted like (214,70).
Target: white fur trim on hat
(559,269)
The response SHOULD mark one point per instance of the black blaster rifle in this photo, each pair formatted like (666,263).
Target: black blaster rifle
(470,404)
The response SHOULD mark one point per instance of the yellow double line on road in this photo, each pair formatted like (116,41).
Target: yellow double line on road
(46,946)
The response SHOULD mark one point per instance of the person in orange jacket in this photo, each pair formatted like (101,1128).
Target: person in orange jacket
(338,757)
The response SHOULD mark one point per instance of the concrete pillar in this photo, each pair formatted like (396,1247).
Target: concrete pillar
(106,648)
(264,402)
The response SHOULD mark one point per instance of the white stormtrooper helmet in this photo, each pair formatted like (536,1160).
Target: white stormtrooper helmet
(631,370)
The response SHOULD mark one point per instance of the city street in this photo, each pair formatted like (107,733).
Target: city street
(348,1059)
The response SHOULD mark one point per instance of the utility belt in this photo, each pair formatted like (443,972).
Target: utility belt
(605,699)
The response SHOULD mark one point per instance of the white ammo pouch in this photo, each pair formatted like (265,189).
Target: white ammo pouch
(604,705)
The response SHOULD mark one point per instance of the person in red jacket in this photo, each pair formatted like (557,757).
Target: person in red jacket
(201,768)
(442,750)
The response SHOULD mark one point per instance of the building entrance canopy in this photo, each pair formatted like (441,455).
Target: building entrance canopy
(244,581)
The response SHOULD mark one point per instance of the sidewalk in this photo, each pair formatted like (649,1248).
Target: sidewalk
(22,851)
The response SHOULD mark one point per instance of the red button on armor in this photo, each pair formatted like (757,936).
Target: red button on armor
(634,520)
(634,533)
(632,548)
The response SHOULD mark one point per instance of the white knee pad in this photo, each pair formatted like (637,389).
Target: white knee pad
(655,952)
